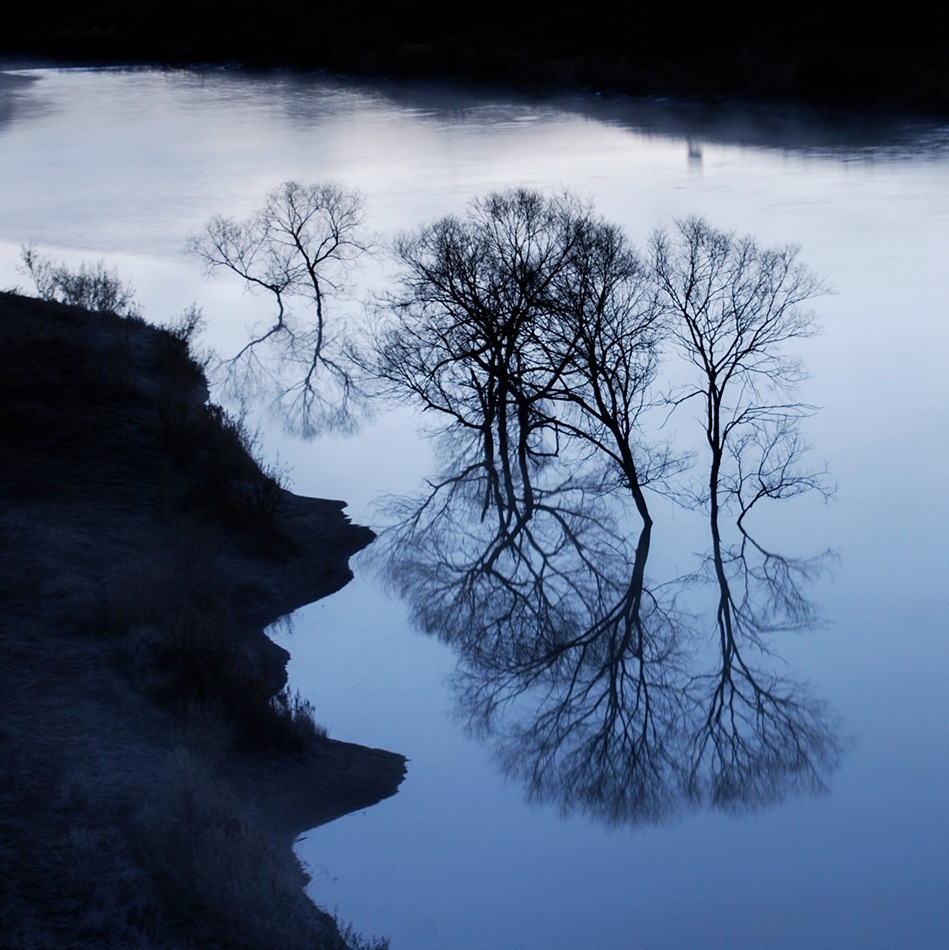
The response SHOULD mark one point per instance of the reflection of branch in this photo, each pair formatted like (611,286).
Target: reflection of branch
(577,673)
(539,616)
(601,736)
(762,737)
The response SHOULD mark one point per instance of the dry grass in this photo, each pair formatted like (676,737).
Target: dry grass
(228,883)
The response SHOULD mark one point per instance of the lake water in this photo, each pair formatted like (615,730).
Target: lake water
(125,164)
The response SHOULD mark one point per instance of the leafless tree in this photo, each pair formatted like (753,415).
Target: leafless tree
(607,335)
(470,314)
(528,321)
(300,248)
(731,308)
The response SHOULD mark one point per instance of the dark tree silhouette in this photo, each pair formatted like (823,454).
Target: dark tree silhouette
(529,321)
(531,330)
(473,311)
(299,247)
(731,307)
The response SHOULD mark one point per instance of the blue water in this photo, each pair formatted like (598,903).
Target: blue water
(126,164)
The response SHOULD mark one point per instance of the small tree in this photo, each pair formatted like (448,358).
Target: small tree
(299,246)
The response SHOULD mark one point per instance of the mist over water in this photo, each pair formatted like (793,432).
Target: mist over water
(126,164)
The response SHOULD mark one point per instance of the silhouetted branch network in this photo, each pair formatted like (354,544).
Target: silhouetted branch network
(299,248)
(533,332)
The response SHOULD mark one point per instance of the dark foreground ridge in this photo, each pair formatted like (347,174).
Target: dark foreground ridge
(154,771)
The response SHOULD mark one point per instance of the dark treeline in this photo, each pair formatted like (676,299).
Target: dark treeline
(807,53)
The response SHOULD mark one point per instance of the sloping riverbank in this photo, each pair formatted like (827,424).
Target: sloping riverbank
(155,773)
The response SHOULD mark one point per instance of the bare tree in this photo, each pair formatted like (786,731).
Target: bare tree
(731,307)
(299,247)
(530,326)
(531,322)
(470,317)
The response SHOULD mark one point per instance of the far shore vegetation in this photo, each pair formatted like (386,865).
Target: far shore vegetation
(874,58)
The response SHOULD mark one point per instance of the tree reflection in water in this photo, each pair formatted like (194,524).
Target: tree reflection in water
(598,691)
(534,331)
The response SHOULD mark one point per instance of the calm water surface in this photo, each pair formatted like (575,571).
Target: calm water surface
(126,164)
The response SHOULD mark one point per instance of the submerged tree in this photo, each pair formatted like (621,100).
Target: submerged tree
(531,330)
(732,306)
(526,324)
(471,314)
(299,248)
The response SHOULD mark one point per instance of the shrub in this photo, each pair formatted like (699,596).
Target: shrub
(93,286)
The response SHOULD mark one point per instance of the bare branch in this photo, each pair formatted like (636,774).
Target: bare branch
(301,245)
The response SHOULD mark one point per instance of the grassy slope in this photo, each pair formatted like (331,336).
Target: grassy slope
(151,787)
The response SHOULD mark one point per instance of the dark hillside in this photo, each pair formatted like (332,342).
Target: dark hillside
(154,772)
